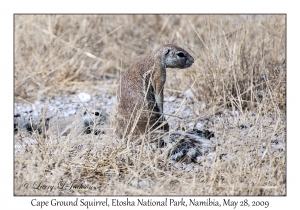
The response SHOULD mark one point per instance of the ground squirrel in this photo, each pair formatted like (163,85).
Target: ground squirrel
(139,109)
(140,91)
(88,121)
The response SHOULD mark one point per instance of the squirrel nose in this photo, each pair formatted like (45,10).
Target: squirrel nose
(192,60)
(189,62)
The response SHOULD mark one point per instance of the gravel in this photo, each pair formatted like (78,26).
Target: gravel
(63,106)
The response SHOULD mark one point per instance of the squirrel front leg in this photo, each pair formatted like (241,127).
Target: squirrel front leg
(159,97)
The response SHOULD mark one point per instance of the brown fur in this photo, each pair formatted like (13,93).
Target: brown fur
(140,91)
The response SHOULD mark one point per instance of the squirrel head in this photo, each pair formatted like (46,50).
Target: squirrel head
(176,57)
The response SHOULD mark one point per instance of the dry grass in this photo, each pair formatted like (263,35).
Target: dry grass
(238,83)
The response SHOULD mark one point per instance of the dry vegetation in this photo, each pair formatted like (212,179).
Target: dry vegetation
(238,83)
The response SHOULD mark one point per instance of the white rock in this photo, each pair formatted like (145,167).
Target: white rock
(84,97)
(199,126)
(35,114)
(171,99)
(190,124)
(57,102)
(145,183)
(27,108)
(72,112)
(189,94)
(189,167)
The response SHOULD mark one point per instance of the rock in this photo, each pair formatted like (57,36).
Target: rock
(171,99)
(84,97)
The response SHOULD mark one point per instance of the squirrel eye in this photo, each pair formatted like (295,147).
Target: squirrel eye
(180,54)
(167,52)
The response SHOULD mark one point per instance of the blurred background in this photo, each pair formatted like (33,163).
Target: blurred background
(234,54)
